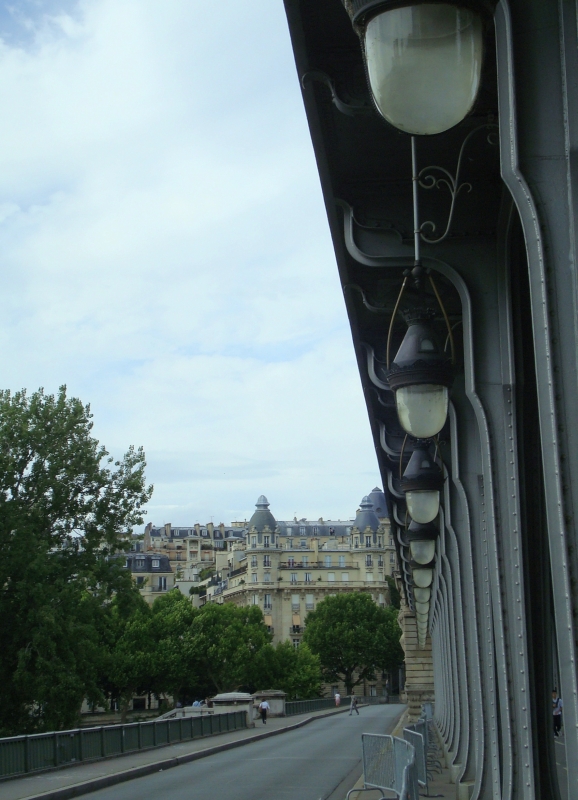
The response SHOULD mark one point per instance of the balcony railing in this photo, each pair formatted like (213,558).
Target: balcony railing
(238,571)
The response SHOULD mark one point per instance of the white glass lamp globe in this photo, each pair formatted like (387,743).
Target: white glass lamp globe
(421,595)
(423,506)
(424,64)
(422,552)
(422,577)
(422,409)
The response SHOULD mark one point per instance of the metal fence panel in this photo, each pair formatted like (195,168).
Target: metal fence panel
(91,743)
(306,706)
(174,730)
(421,727)
(379,767)
(39,750)
(410,785)
(12,756)
(131,737)
(147,734)
(113,740)
(23,754)
(417,740)
(387,763)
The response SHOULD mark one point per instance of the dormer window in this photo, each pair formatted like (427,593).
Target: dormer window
(156,563)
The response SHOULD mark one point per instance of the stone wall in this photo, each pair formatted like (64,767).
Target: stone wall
(419,680)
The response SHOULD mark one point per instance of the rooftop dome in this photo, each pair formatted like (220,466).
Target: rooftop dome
(366,516)
(379,501)
(262,517)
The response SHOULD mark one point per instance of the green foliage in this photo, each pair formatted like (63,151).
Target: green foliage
(294,670)
(394,595)
(228,640)
(131,655)
(65,507)
(205,573)
(353,638)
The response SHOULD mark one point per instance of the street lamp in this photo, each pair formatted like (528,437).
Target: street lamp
(422,482)
(421,595)
(420,376)
(423,60)
(422,577)
(422,542)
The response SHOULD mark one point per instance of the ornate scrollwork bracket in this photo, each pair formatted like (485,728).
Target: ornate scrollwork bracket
(451,182)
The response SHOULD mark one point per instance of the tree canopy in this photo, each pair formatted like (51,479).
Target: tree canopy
(353,637)
(65,508)
(189,653)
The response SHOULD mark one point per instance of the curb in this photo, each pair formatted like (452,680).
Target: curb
(78,789)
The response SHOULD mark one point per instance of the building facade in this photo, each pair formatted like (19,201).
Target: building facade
(152,574)
(287,568)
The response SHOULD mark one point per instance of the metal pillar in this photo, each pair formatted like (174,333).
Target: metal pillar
(506,579)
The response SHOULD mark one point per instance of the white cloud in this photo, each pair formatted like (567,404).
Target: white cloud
(165,252)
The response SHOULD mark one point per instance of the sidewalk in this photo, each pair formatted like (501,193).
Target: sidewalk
(80,779)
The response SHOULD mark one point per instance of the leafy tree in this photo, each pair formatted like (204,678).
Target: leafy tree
(228,640)
(394,595)
(132,658)
(353,637)
(176,650)
(294,670)
(65,508)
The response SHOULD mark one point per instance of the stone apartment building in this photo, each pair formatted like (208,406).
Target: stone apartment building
(152,573)
(190,550)
(284,567)
(287,568)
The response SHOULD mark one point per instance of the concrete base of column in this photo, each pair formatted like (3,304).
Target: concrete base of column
(419,684)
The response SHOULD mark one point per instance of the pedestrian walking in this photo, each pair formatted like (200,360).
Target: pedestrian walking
(353,705)
(263,708)
(337,699)
(556,712)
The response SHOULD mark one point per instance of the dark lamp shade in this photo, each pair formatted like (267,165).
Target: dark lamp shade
(420,376)
(422,482)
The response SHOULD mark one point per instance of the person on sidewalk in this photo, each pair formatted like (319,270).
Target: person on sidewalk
(353,705)
(263,708)
(556,712)
(337,697)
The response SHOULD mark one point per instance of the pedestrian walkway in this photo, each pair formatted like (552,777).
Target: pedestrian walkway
(76,780)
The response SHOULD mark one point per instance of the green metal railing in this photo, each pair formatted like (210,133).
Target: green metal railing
(304,706)
(23,754)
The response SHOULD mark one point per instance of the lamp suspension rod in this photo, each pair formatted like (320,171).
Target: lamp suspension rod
(415,183)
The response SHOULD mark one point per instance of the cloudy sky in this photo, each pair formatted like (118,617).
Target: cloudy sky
(165,252)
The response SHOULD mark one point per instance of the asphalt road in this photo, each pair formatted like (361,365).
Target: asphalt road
(316,762)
